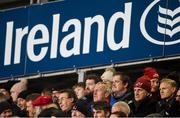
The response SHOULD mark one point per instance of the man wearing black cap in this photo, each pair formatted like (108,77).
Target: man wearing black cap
(21,102)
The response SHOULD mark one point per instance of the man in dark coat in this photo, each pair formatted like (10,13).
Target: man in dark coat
(168,106)
(142,105)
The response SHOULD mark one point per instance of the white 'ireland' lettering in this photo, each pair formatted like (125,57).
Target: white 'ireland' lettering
(55,32)
(8,45)
(126,28)
(31,42)
(76,35)
(19,36)
(100,34)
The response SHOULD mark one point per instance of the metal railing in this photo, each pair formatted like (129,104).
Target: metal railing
(9,4)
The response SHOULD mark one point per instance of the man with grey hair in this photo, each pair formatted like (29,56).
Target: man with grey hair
(18,88)
(121,107)
(101,92)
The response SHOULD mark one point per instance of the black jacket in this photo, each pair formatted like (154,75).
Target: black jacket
(170,108)
(155,96)
(143,108)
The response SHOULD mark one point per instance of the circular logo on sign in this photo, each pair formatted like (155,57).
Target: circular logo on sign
(163,26)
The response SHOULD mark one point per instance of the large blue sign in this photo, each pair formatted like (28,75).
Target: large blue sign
(83,33)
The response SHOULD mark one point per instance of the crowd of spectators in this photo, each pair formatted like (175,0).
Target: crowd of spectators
(110,95)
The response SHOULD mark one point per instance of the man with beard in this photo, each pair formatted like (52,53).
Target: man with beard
(153,76)
(21,103)
(90,81)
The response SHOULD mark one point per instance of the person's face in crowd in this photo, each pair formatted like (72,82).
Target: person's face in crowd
(178,96)
(77,114)
(30,108)
(117,84)
(37,110)
(154,85)
(21,103)
(55,94)
(166,90)
(80,92)
(6,113)
(140,93)
(99,113)
(99,93)
(65,102)
(90,84)
(5,92)
(14,95)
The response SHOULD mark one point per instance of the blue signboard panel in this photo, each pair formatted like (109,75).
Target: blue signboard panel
(11,23)
(172,27)
(83,33)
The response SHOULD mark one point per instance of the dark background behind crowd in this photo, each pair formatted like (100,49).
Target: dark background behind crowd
(113,92)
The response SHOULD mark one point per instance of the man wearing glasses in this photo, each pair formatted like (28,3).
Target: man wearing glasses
(66,101)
